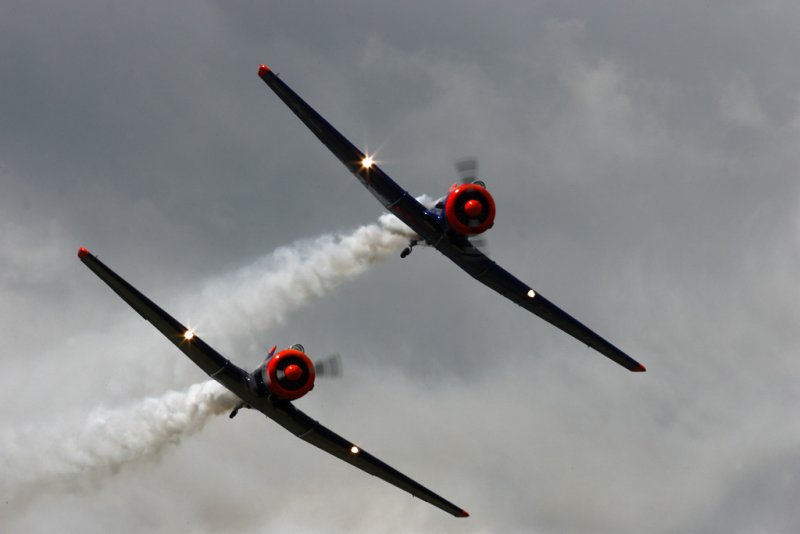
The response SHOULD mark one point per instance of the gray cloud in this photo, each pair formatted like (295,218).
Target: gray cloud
(644,162)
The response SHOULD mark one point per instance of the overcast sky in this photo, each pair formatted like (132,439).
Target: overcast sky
(644,160)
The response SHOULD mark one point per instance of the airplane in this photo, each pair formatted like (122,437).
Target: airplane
(283,377)
(467,210)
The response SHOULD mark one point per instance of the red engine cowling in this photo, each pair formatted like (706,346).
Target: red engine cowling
(469,209)
(289,374)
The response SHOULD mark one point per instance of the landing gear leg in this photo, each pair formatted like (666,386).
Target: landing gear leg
(236,410)
(407,250)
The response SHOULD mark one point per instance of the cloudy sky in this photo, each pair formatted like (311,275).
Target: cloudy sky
(644,159)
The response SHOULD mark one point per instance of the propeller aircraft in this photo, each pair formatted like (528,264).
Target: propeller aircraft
(283,377)
(467,210)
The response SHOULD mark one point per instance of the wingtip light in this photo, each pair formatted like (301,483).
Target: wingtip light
(463,513)
(82,252)
(639,369)
(262,70)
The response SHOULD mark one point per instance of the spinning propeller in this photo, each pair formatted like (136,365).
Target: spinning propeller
(467,169)
(329,366)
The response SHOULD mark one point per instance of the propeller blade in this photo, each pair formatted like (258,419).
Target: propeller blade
(481,243)
(467,169)
(468,173)
(329,366)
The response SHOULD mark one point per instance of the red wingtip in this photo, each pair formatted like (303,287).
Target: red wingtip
(262,70)
(82,252)
(639,369)
(463,513)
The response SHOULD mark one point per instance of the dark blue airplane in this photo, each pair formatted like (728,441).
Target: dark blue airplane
(467,210)
(282,378)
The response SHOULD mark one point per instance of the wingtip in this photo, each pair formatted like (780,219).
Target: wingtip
(262,70)
(639,368)
(82,252)
(463,513)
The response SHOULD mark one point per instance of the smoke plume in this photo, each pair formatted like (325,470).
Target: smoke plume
(65,456)
(263,293)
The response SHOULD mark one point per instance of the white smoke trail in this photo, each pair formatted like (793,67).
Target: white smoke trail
(64,456)
(260,295)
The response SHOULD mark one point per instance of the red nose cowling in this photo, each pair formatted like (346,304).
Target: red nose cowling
(469,209)
(289,374)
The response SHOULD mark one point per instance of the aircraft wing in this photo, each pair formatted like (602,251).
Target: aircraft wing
(332,443)
(415,215)
(486,271)
(393,197)
(238,380)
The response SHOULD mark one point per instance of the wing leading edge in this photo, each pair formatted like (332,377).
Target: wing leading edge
(237,381)
(393,197)
(418,218)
